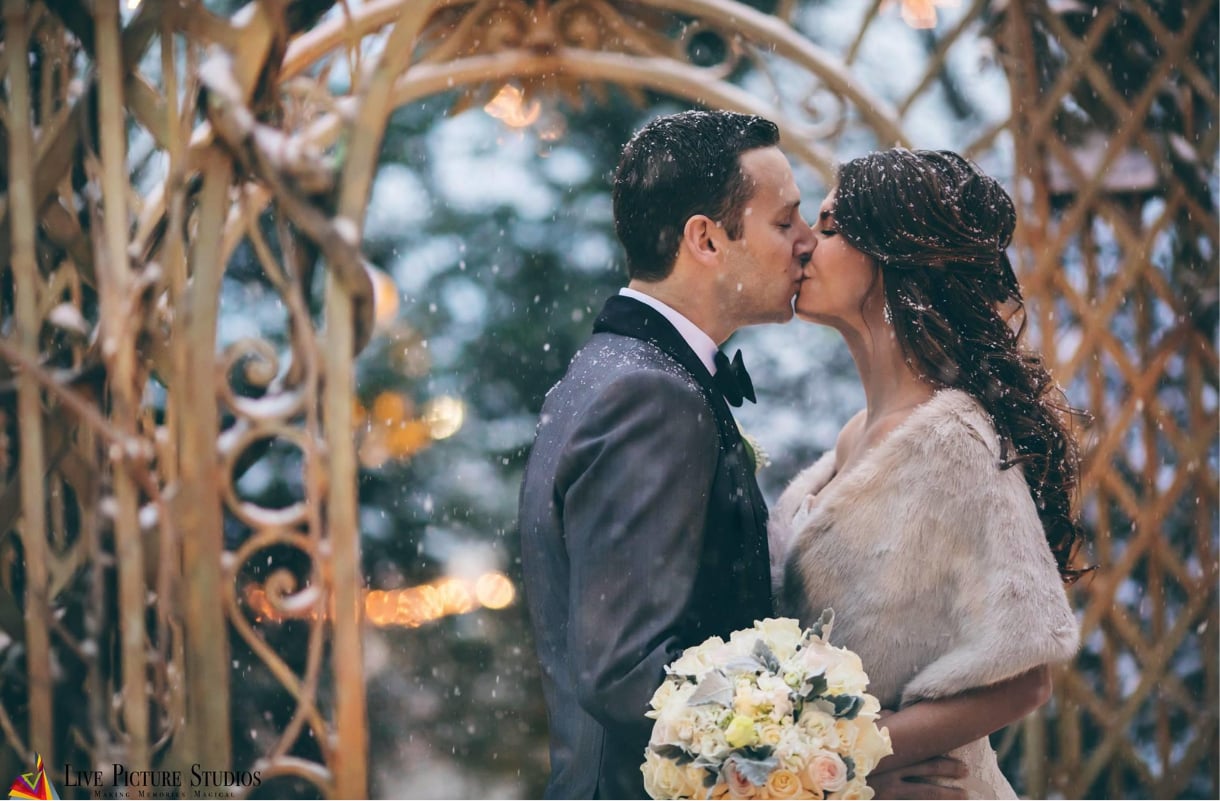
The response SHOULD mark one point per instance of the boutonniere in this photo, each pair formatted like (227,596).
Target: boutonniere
(754,449)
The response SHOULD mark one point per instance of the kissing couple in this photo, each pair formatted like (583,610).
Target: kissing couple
(940,527)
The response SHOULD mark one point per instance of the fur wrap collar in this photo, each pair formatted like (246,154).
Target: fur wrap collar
(933,558)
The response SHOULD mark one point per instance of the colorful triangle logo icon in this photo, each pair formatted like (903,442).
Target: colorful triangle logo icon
(34,785)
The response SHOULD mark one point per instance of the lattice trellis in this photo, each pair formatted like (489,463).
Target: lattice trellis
(1122,192)
(115,575)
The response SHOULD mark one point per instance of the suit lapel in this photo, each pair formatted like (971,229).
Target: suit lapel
(628,317)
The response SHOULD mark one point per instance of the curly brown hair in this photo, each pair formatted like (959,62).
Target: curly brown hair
(938,229)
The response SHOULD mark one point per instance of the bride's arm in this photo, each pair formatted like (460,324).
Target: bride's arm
(930,728)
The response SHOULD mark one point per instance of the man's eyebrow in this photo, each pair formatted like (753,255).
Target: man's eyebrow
(826,214)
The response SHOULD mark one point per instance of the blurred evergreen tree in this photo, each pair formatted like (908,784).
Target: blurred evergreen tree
(503,290)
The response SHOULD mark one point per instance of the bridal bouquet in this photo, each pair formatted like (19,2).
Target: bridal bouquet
(776,712)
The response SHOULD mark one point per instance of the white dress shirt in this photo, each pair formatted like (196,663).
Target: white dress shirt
(703,345)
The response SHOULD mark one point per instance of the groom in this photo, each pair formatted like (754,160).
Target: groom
(643,531)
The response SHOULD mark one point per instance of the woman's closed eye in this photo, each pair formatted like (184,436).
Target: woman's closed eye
(826,217)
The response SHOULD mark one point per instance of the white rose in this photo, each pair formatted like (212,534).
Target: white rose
(741,644)
(821,728)
(872,744)
(699,659)
(679,722)
(661,697)
(846,676)
(782,634)
(663,732)
(842,668)
(856,789)
(664,778)
(816,656)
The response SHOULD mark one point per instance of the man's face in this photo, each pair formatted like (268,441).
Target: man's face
(762,268)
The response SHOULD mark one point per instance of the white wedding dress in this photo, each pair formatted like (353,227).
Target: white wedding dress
(934,561)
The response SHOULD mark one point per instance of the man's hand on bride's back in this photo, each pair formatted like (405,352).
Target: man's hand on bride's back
(931,778)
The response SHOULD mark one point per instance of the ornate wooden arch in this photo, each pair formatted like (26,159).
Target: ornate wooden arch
(126,297)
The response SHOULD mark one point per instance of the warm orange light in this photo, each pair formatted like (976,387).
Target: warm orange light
(407,439)
(390,408)
(408,607)
(455,596)
(510,107)
(494,590)
(385,297)
(922,13)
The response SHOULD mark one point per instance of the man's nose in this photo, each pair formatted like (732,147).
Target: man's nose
(807,241)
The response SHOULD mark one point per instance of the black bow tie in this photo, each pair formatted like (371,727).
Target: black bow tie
(732,379)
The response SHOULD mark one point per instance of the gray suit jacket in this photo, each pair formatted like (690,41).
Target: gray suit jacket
(643,532)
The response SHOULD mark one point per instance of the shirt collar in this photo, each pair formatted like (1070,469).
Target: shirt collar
(703,345)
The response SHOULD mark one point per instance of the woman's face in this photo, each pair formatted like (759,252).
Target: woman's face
(841,286)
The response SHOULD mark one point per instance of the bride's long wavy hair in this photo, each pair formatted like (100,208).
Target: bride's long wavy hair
(938,229)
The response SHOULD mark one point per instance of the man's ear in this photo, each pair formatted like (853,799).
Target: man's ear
(700,237)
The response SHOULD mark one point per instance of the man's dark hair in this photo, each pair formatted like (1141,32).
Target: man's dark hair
(676,167)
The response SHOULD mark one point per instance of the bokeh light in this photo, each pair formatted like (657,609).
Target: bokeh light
(407,607)
(509,107)
(444,416)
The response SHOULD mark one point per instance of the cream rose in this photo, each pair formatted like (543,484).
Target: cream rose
(826,771)
(676,727)
(848,733)
(783,784)
(770,734)
(663,778)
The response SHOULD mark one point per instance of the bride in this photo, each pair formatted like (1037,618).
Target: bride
(939,528)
